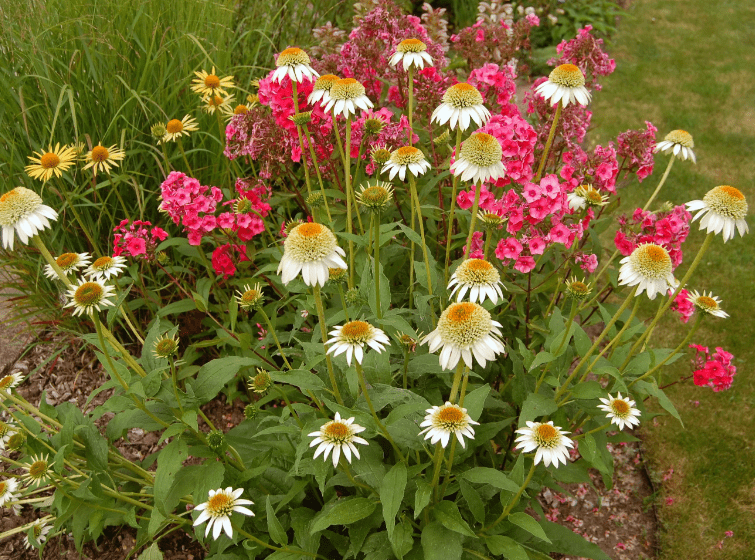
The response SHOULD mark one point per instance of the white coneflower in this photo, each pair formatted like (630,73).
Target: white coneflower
(722,209)
(680,143)
(311,249)
(352,337)
(621,411)
(707,303)
(68,263)
(346,96)
(89,296)
(441,422)
(462,103)
(103,159)
(251,298)
(22,212)
(10,381)
(40,530)
(294,63)
(549,440)
(218,509)
(465,330)
(566,83)
(480,159)
(406,157)
(211,84)
(37,470)
(338,436)
(8,488)
(6,432)
(480,278)
(586,195)
(650,268)
(411,52)
(52,162)
(175,129)
(321,89)
(105,268)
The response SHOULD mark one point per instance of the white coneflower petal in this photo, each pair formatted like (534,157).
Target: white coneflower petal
(411,52)
(550,442)
(406,158)
(68,263)
(678,142)
(707,303)
(442,422)
(294,63)
(22,213)
(566,83)
(175,129)
(10,381)
(621,411)
(462,104)
(722,209)
(480,159)
(586,195)
(649,267)
(465,331)
(321,89)
(346,96)
(105,268)
(338,436)
(218,508)
(310,249)
(37,470)
(479,278)
(352,337)
(8,488)
(89,296)
(40,530)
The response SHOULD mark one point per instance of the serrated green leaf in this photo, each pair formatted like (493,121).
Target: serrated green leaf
(152,553)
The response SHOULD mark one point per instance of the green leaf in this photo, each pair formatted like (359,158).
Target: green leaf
(213,376)
(449,516)
(152,553)
(96,446)
(568,542)
(664,401)
(475,401)
(474,502)
(536,405)
(343,512)
(438,543)
(540,359)
(494,477)
(588,448)
(168,464)
(581,341)
(274,526)
(421,497)
(506,546)
(391,494)
(521,519)
(300,378)
(402,539)
(588,390)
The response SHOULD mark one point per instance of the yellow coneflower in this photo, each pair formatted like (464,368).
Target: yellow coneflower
(52,162)
(208,85)
(175,128)
(217,102)
(102,158)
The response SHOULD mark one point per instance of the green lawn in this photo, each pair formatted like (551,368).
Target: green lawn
(688,64)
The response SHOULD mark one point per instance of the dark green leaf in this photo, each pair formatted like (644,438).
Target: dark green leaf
(343,513)
(438,543)
(494,477)
(274,526)
(521,519)
(536,405)
(506,546)
(449,516)
(392,493)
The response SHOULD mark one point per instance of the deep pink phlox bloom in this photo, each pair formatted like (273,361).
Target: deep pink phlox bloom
(559,233)
(699,348)
(222,262)
(226,220)
(539,209)
(531,192)
(587,262)
(159,233)
(524,264)
(136,246)
(536,245)
(723,356)
(195,237)
(508,248)
(475,248)
(682,305)
(550,187)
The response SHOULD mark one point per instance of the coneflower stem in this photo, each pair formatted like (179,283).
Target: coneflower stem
(349,198)
(410,115)
(324,334)
(473,221)
(548,144)
(378,310)
(271,330)
(452,451)
(514,500)
(363,384)
(183,153)
(413,188)
(301,141)
(313,155)
(455,184)
(663,180)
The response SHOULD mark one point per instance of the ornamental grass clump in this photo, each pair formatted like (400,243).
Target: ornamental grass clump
(264,318)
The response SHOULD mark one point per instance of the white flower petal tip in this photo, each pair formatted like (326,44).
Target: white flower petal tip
(549,442)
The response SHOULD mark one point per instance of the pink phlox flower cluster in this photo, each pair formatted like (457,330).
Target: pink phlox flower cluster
(682,305)
(475,248)
(190,204)
(139,239)
(517,139)
(248,224)
(715,371)
(599,169)
(497,84)
(223,259)
(430,84)
(635,148)
(669,229)
(499,42)
(586,261)
(586,52)
(393,135)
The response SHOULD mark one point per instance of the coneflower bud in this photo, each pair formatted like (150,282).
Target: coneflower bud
(315,200)
(216,441)
(251,412)
(261,382)
(302,118)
